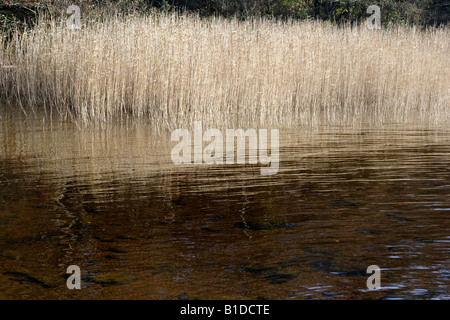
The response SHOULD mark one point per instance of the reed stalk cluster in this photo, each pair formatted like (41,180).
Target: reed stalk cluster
(174,69)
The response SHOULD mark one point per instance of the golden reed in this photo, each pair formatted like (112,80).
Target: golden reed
(174,69)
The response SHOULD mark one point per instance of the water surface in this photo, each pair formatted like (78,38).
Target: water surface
(111,201)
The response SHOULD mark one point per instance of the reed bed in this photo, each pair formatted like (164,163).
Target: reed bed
(173,69)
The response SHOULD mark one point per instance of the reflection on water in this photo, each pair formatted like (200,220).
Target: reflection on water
(110,201)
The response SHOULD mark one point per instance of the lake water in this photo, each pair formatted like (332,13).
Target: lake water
(111,201)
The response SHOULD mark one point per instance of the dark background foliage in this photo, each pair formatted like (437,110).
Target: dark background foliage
(418,12)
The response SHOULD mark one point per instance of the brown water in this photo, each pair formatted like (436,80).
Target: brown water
(139,227)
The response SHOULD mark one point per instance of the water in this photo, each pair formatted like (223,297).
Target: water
(111,201)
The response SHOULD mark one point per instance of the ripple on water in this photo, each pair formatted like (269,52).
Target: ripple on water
(111,201)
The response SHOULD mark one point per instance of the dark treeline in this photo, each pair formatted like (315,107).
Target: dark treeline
(418,12)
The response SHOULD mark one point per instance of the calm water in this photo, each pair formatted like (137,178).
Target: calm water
(139,227)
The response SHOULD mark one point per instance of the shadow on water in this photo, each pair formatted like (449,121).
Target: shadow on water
(111,201)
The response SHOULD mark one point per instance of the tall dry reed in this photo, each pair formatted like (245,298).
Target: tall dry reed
(173,69)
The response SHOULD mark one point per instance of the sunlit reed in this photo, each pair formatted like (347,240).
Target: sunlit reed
(173,69)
